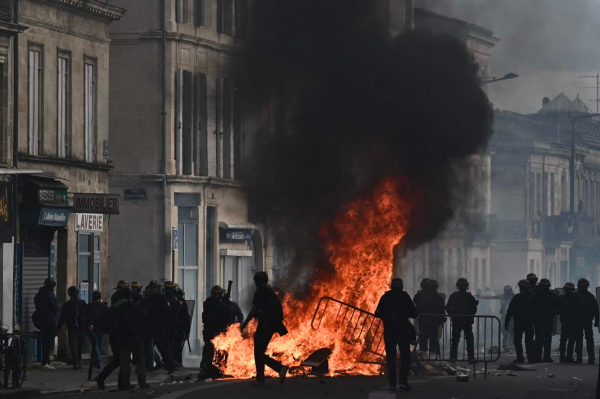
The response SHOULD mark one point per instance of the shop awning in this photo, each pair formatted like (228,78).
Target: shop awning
(47,183)
(237,226)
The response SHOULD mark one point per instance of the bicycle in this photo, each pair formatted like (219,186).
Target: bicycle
(13,357)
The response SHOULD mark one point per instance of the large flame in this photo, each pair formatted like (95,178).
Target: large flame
(359,245)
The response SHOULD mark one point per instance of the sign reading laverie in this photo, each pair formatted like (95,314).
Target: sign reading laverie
(96,203)
(89,221)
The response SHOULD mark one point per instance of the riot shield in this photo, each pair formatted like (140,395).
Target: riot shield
(190,305)
(556,325)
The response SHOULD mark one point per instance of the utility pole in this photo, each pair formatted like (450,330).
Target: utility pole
(597,87)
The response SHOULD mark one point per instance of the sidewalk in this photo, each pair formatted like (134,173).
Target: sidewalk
(64,379)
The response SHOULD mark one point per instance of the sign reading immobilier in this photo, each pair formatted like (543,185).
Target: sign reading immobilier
(96,203)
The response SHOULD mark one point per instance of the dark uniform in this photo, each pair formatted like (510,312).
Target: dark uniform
(113,338)
(523,308)
(45,318)
(549,305)
(215,317)
(394,309)
(159,322)
(128,321)
(97,311)
(507,335)
(74,315)
(462,303)
(538,329)
(587,312)
(568,324)
(429,302)
(175,330)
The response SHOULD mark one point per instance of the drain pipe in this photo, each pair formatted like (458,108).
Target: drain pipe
(17,292)
(166,201)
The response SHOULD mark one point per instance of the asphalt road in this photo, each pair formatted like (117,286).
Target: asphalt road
(526,384)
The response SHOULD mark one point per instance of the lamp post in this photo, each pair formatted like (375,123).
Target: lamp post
(510,75)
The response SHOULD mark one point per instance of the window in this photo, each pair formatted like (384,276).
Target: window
(182,10)
(225,145)
(563,193)
(201,125)
(6,10)
(484,272)
(242,19)
(225,17)
(184,126)
(3,110)
(88,264)
(90,110)
(35,76)
(476,278)
(63,104)
(202,13)
(552,196)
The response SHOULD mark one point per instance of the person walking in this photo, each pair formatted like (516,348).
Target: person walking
(394,309)
(74,315)
(269,312)
(462,303)
(215,318)
(97,311)
(523,308)
(129,321)
(587,314)
(45,319)
(429,302)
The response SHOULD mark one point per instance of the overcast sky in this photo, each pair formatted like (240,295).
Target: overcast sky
(549,43)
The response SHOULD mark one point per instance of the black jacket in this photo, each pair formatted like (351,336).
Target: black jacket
(462,303)
(215,316)
(235,313)
(160,317)
(394,308)
(429,302)
(587,307)
(549,304)
(98,314)
(74,314)
(129,321)
(524,308)
(46,309)
(568,308)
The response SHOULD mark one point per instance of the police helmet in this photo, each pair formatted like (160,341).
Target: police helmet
(122,284)
(545,283)
(96,295)
(397,284)
(216,290)
(261,278)
(532,278)
(583,283)
(569,287)
(49,282)
(136,287)
(125,293)
(462,283)
(425,282)
(154,283)
(524,286)
(73,291)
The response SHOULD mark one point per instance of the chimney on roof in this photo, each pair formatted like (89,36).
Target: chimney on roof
(545,101)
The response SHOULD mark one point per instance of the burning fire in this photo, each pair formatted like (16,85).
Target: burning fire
(359,246)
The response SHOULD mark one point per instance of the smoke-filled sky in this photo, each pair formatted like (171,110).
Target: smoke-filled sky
(549,43)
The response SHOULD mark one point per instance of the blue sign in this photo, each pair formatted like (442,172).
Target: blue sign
(54,217)
(233,235)
(175,239)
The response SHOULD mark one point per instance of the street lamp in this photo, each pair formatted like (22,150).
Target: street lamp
(510,75)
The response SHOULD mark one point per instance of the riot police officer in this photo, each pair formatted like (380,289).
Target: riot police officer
(116,295)
(136,289)
(523,308)
(159,318)
(429,302)
(215,317)
(74,314)
(462,303)
(549,304)
(568,323)
(175,330)
(587,312)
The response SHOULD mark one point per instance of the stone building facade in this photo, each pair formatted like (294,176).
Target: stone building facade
(539,228)
(464,248)
(54,122)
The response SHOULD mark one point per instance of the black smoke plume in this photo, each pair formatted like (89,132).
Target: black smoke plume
(352,105)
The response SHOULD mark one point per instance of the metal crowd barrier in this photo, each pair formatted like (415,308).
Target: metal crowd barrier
(436,344)
(358,326)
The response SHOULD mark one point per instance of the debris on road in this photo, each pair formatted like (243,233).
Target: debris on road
(511,373)
(462,377)
(551,376)
(514,367)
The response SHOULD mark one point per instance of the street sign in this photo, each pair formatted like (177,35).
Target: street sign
(175,239)
(135,194)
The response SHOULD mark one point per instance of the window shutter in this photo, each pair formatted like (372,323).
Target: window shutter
(185,12)
(187,118)
(238,134)
(227,108)
(178,11)
(219,127)
(198,13)
(207,12)
(179,120)
(228,17)
(220,25)
(201,125)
